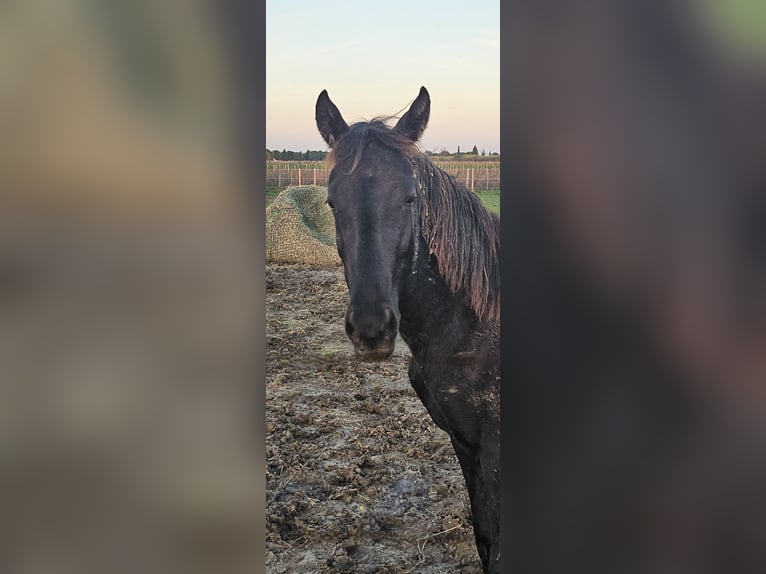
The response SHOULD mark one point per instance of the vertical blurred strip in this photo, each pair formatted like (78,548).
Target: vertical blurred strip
(131,292)
(634,286)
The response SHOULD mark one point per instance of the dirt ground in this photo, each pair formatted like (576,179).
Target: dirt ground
(358,477)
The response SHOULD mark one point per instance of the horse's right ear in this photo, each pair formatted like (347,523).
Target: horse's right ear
(329,121)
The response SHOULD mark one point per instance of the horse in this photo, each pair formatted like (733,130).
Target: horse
(420,257)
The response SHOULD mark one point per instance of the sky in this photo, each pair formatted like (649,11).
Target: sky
(373,57)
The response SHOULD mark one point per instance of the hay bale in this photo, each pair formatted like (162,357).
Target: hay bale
(300,228)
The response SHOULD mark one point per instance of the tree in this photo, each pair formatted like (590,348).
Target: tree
(475,150)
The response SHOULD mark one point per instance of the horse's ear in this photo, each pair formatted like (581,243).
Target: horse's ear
(329,121)
(413,123)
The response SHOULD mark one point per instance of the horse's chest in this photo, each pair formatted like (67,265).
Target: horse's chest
(456,395)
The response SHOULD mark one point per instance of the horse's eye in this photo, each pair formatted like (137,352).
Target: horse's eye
(411,199)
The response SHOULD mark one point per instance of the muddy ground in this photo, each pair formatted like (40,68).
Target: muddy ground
(358,477)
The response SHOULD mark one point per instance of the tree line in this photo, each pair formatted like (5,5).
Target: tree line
(309,155)
(317,155)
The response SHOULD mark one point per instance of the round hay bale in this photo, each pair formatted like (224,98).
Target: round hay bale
(300,227)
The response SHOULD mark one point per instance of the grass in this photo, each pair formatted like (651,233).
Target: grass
(490,199)
(271,193)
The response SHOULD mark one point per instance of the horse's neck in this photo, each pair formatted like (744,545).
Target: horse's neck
(431,315)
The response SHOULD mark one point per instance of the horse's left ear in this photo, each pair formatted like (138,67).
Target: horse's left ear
(413,123)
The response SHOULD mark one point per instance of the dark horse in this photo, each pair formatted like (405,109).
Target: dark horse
(421,259)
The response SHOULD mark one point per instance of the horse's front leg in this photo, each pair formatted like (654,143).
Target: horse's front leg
(481,470)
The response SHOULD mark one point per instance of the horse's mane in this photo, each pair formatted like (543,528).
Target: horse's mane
(463,236)
(459,231)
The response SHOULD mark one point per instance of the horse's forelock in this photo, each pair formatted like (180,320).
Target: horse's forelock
(350,148)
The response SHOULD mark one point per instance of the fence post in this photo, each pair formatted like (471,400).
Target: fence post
(299,177)
(315,176)
(472,187)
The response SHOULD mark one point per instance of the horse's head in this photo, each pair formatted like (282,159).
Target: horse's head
(372,191)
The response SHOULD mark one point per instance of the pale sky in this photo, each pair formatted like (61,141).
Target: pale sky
(372,57)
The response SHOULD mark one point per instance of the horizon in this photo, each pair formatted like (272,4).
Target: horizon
(437,153)
(456,56)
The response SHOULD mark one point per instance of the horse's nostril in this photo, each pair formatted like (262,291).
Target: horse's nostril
(371,327)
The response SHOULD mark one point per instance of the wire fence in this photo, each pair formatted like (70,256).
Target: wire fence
(476,176)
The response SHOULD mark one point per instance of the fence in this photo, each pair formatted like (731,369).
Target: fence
(476,176)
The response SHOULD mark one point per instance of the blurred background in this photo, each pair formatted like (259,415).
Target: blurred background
(130,294)
(634,298)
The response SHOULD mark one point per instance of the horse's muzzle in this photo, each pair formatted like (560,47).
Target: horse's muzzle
(373,333)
